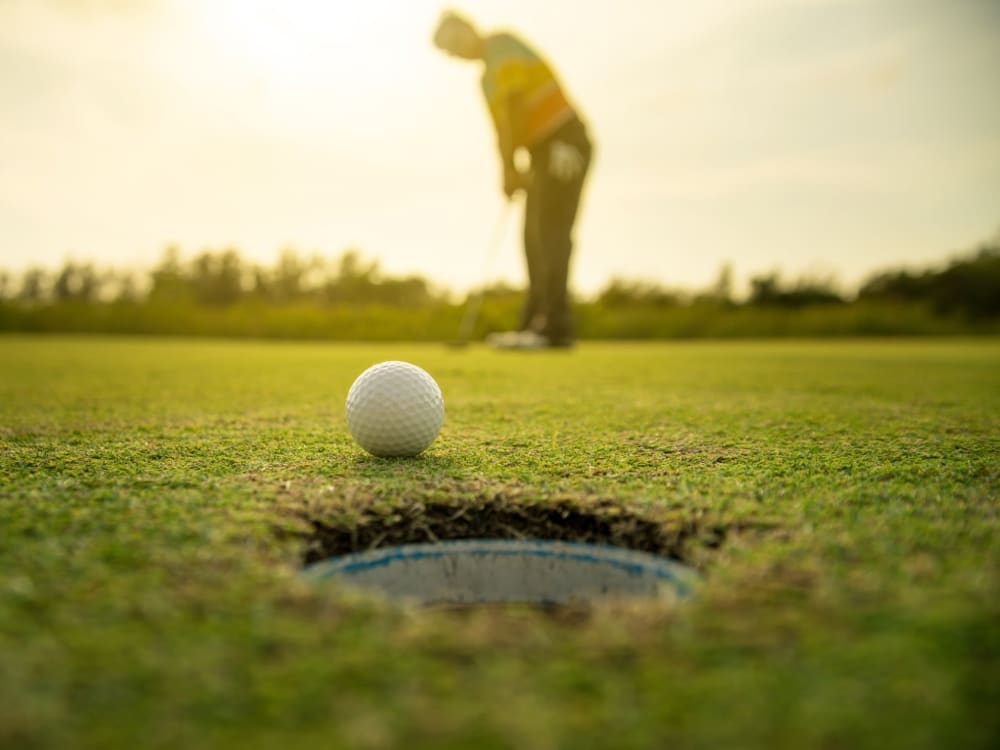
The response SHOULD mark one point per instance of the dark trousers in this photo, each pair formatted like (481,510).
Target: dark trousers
(549,215)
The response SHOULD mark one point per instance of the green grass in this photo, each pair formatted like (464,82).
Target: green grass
(152,497)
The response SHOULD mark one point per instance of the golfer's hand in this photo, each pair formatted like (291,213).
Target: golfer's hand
(514,181)
(566,163)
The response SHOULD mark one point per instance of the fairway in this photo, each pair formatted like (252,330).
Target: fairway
(158,498)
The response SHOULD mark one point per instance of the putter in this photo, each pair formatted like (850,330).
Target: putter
(475,301)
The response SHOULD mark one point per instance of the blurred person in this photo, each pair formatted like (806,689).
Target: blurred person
(531,113)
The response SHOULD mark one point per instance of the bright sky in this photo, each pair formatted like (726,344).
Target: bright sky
(813,136)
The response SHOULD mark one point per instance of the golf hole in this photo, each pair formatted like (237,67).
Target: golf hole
(485,546)
(486,571)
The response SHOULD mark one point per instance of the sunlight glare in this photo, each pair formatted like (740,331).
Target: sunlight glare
(298,43)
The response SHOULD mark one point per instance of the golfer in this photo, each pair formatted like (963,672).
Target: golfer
(531,112)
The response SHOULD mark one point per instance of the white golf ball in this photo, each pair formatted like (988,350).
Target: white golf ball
(394,409)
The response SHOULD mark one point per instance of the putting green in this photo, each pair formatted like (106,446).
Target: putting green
(158,499)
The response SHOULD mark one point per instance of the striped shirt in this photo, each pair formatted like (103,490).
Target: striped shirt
(521,89)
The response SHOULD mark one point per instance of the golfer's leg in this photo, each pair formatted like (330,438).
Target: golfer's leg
(533,306)
(560,201)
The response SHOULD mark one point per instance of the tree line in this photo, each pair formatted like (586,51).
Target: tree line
(220,293)
(221,278)
(969,284)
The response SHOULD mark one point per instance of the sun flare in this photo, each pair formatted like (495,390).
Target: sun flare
(294,43)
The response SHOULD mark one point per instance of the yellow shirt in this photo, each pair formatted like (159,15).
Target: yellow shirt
(521,89)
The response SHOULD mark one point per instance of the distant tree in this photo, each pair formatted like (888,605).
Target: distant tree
(767,290)
(5,285)
(722,289)
(125,285)
(409,291)
(347,279)
(358,282)
(76,282)
(353,279)
(292,279)
(499,290)
(971,286)
(34,285)
(167,280)
(968,285)
(619,293)
(896,286)
(288,277)
(217,278)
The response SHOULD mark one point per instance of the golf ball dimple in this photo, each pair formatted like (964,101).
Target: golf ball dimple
(394,409)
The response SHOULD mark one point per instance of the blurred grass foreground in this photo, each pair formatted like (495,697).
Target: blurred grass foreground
(350,299)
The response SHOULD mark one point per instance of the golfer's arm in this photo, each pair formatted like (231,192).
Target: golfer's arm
(505,138)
